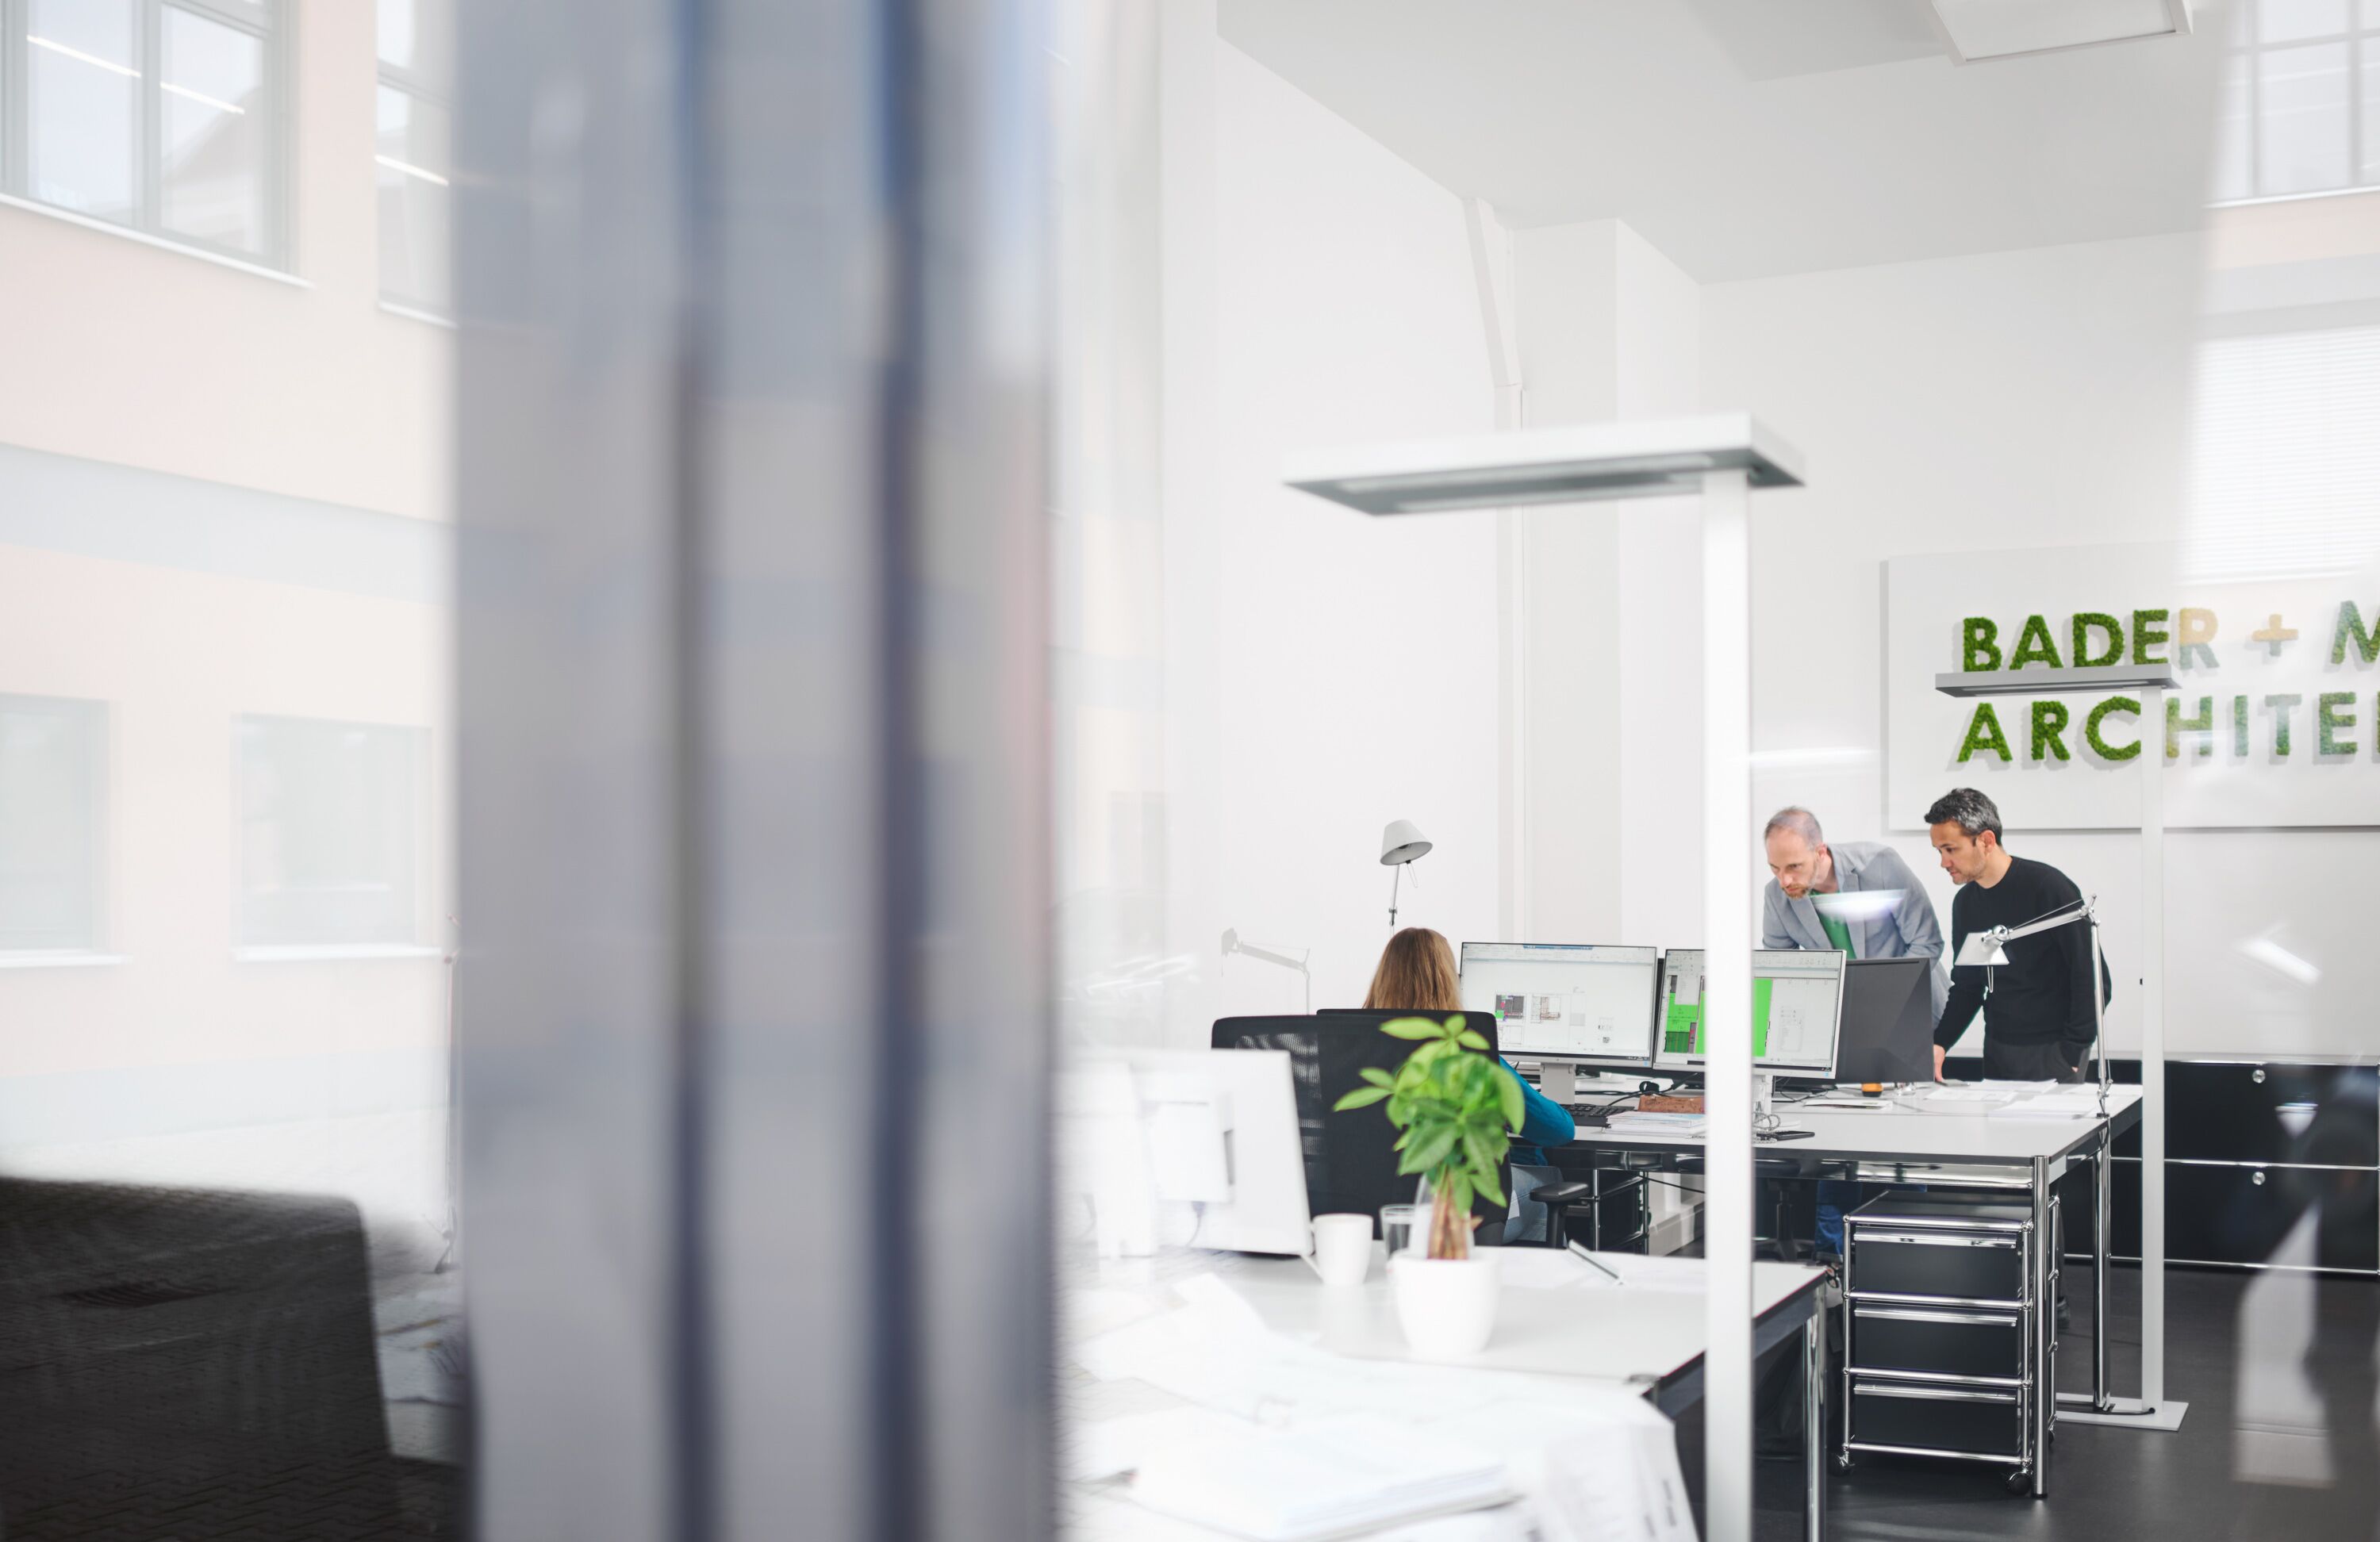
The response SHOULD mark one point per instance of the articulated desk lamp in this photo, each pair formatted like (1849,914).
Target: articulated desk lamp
(1232,944)
(1400,843)
(1986,949)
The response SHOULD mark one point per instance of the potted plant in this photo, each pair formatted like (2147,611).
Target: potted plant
(1455,1108)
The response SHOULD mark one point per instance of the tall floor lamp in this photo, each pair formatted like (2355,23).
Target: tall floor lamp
(2151,1410)
(1722,459)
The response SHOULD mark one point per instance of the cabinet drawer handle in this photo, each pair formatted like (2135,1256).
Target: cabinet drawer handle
(1964,1319)
(1935,1394)
(2257,1177)
(2257,1075)
(1931,1239)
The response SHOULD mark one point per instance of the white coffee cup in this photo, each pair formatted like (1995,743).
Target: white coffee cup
(1342,1248)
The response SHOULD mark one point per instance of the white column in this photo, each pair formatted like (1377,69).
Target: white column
(1727,1000)
(2152,1047)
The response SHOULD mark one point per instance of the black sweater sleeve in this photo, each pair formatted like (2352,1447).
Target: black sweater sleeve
(1966,984)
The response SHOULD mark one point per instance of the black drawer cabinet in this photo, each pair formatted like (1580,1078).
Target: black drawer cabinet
(1969,1421)
(1889,1260)
(2241,1215)
(2238,1111)
(1937,1340)
(2251,1147)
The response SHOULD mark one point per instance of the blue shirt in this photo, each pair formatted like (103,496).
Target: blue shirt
(1543,1122)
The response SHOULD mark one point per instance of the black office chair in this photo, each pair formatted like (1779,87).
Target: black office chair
(1351,1166)
(1558,1198)
(188,1363)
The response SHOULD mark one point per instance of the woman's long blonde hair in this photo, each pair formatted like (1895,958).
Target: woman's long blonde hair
(1416,974)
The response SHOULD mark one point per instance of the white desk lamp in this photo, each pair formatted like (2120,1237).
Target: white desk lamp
(1400,843)
(1987,950)
(2153,1410)
(1232,944)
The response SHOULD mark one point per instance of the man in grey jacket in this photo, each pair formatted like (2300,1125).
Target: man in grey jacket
(1861,898)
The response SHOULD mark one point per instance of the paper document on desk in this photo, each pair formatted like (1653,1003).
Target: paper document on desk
(1613,1478)
(1318,1480)
(1643,1123)
(2066,1102)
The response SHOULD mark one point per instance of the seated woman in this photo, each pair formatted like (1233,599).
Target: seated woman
(1416,974)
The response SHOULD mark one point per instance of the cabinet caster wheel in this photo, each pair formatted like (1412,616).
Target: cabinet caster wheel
(1843,1462)
(2019,1482)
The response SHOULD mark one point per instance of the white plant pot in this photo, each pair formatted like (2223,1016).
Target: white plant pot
(1447,1307)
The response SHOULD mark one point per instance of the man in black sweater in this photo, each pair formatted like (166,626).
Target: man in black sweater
(2038,1016)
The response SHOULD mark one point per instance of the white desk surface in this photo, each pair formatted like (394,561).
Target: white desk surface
(1626,1332)
(1979,1138)
(1598,1336)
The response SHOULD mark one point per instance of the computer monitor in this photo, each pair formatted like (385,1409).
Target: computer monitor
(1678,1014)
(1797,1000)
(1188,1148)
(1583,1004)
(1888,1034)
(1797,1010)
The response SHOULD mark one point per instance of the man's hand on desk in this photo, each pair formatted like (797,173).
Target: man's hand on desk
(1942,1053)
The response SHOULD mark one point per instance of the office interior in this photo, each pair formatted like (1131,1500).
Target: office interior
(650,650)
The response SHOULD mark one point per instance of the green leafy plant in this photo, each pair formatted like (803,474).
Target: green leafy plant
(1457,1108)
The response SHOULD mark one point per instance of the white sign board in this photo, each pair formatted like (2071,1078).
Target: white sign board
(2277,722)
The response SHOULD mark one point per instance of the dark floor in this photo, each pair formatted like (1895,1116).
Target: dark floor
(2278,1445)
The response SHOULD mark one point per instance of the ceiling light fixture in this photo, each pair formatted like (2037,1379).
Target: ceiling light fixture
(1974,30)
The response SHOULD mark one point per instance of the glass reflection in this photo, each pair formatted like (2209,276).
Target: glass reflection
(213,165)
(83,61)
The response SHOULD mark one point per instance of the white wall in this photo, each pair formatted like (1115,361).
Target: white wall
(2022,400)
(1354,659)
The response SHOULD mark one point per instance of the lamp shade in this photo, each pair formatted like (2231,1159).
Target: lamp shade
(1400,843)
(1985,948)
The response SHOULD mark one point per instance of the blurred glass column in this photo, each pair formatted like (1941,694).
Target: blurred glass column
(754,1000)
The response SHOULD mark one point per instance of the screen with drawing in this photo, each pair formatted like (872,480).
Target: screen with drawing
(1584,1002)
(1797,1007)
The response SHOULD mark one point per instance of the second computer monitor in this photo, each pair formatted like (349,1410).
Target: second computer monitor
(1584,1002)
(1797,1007)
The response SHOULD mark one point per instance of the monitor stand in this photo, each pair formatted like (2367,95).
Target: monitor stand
(1764,1094)
(1558,1080)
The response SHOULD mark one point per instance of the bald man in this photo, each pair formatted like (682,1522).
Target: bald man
(1859,897)
(1862,899)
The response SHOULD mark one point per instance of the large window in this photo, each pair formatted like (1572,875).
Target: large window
(330,824)
(162,117)
(2300,110)
(52,770)
(414,153)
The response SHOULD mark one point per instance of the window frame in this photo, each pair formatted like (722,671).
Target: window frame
(99,721)
(420,86)
(271,22)
(2248,48)
(418,833)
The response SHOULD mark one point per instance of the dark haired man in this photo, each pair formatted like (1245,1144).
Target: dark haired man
(2038,1021)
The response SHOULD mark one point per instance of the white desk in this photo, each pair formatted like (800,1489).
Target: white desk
(1647,1337)
(1980,1149)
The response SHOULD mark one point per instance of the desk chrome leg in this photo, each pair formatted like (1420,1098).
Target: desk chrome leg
(1814,1425)
(2101,1181)
(2045,1332)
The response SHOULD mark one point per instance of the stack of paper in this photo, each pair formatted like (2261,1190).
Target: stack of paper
(1316,1480)
(2066,1102)
(1640,1121)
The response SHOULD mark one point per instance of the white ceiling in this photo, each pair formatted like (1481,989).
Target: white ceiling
(1746,138)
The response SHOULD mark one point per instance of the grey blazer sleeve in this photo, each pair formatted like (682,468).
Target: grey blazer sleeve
(1773,933)
(1920,936)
